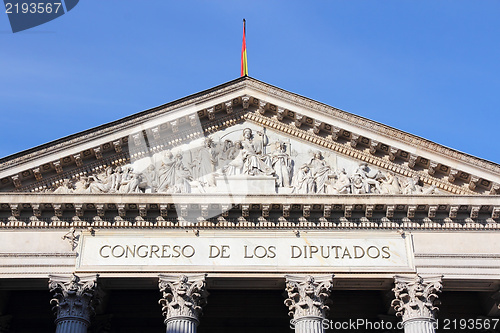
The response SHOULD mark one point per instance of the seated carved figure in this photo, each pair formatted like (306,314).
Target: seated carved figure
(255,161)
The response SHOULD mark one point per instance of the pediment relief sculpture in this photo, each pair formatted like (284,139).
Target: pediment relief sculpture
(239,154)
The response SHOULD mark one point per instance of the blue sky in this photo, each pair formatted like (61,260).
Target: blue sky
(430,68)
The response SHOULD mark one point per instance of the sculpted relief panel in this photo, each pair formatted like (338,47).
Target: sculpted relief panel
(245,154)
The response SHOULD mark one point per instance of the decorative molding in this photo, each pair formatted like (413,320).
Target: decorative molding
(415,296)
(182,295)
(308,295)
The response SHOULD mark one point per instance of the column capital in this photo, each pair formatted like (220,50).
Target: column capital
(183,296)
(416,296)
(308,295)
(75,297)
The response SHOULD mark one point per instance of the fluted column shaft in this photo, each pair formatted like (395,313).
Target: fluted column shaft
(307,301)
(74,301)
(181,325)
(419,325)
(68,325)
(182,301)
(415,302)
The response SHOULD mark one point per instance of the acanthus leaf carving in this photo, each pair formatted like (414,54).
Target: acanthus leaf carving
(75,297)
(182,295)
(308,295)
(416,297)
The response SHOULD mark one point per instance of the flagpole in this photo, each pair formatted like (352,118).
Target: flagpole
(244,63)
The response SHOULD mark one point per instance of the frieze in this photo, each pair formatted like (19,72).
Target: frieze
(241,156)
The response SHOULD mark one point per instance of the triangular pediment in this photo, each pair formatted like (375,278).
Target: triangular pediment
(302,145)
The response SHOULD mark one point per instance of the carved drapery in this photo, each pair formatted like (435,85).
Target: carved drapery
(183,297)
(415,301)
(75,298)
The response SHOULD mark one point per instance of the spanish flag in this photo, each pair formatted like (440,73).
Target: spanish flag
(244,63)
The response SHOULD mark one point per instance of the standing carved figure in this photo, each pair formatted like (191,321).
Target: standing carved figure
(321,171)
(282,165)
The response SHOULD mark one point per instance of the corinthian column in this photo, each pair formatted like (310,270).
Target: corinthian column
(183,297)
(307,301)
(74,301)
(415,302)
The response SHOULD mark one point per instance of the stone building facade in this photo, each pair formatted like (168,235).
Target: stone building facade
(246,207)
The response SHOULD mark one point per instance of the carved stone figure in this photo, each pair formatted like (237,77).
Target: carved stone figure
(150,179)
(342,185)
(130,181)
(321,172)
(390,184)
(203,163)
(102,183)
(303,181)
(236,163)
(65,188)
(363,181)
(182,176)
(282,165)
(256,162)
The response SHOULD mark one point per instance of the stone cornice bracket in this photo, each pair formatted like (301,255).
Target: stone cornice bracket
(373,146)
(97,152)
(281,113)
(335,133)
(182,296)
(354,140)
(416,297)
(308,295)
(37,173)
(412,160)
(156,132)
(16,180)
(317,126)
(174,124)
(432,168)
(473,182)
(118,146)
(245,100)
(453,175)
(298,119)
(393,153)
(229,107)
(75,297)
(15,209)
(262,107)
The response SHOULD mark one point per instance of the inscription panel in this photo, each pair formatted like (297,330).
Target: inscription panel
(259,252)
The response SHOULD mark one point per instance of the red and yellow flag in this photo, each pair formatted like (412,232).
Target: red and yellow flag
(244,63)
